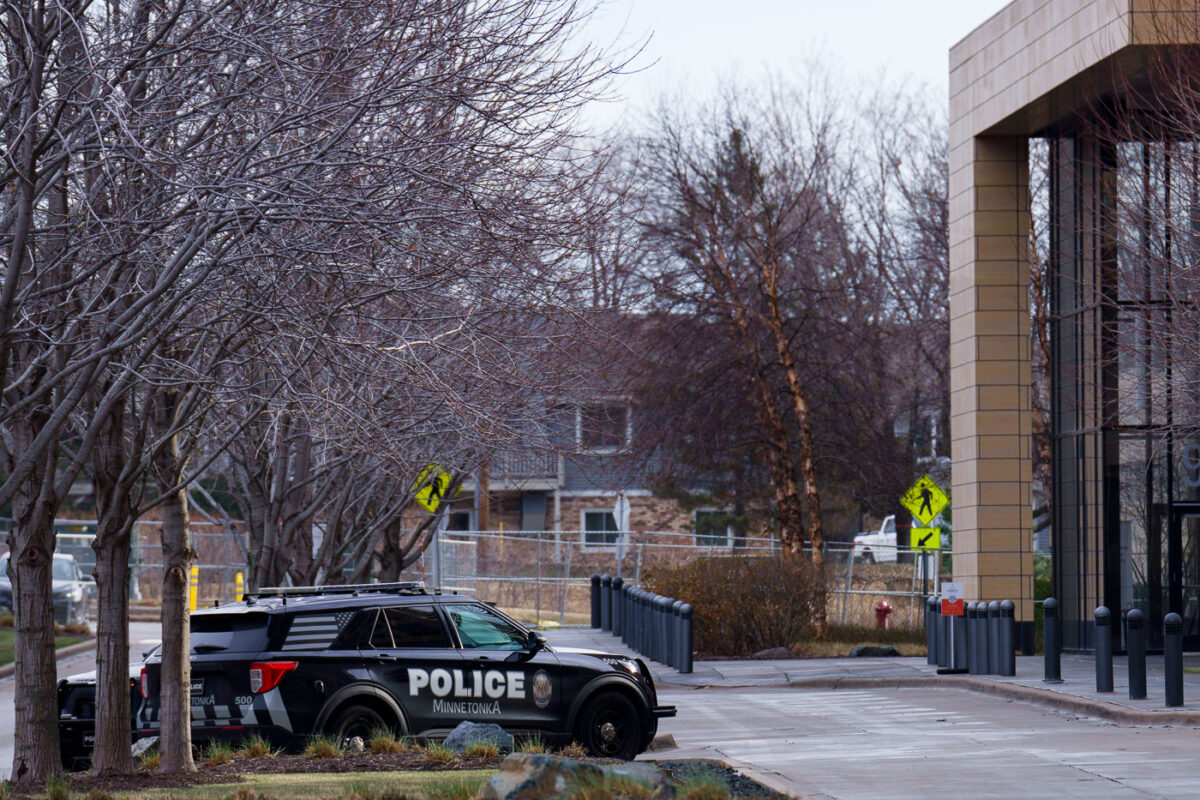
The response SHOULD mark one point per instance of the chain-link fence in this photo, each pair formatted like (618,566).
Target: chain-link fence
(544,576)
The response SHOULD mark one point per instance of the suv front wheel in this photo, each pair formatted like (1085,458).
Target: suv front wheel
(357,720)
(609,727)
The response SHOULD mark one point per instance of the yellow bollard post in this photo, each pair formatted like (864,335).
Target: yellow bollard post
(240,584)
(194,588)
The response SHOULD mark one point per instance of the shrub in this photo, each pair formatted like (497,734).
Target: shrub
(741,605)
(438,754)
(257,747)
(573,750)
(217,753)
(98,794)
(482,750)
(323,746)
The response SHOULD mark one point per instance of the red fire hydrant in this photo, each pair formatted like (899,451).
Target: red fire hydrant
(882,609)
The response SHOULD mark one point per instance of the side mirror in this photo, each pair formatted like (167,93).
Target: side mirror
(536,642)
(87,578)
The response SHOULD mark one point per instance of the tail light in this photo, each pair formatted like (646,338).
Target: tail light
(144,684)
(265,675)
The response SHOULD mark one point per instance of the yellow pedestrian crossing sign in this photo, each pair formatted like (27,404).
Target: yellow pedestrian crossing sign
(431,485)
(925,499)
(925,539)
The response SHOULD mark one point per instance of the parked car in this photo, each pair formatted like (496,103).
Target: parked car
(878,546)
(72,590)
(77,714)
(290,663)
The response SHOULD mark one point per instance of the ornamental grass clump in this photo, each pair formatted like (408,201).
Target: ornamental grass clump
(257,747)
(323,747)
(481,750)
(438,754)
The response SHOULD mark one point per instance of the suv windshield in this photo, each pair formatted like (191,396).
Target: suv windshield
(480,628)
(63,569)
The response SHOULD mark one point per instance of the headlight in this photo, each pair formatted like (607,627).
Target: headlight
(74,594)
(627,664)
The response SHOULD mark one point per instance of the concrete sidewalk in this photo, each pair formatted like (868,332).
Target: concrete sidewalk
(1076,693)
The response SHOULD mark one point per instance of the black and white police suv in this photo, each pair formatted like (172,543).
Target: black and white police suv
(344,660)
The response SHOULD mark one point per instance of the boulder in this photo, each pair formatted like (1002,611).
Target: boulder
(873,651)
(143,745)
(356,745)
(537,776)
(469,733)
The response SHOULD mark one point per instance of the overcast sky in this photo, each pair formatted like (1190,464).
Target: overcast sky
(695,42)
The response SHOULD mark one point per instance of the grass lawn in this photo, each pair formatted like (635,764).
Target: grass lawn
(450,785)
(6,645)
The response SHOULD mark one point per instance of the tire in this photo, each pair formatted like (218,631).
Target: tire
(357,721)
(868,557)
(610,727)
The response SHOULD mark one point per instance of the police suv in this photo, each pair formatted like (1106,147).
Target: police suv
(345,660)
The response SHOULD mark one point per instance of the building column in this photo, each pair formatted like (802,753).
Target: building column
(990,417)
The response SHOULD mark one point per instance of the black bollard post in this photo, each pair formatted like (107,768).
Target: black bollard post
(635,618)
(626,598)
(606,602)
(595,601)
(1173,658)
(685,617)
(666,650)
(677,639)
(993,637)
(931,630)
(943,638)
(1104,657)
(617,596)
(1050,641)
(959,643)
(1135,643)
(1008,639)
(972,638)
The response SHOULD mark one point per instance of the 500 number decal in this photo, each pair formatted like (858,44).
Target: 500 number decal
(244,700)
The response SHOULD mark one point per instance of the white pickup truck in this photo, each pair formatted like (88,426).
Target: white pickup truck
(878,546)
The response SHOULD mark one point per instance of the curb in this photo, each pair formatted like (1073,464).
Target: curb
(69,650)
(1010,691)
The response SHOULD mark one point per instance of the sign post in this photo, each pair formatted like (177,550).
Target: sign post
(954,609)
(925,500)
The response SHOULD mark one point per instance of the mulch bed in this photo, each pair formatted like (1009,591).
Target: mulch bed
(234,771)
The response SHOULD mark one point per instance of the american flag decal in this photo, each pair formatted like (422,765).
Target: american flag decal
(315,631)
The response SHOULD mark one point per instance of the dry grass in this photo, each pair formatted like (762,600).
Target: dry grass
(573,750)
(323,747)
(482,750)
(533,744)
(256,747)
(384,741)
(149,761)
(438,754)
(218,753)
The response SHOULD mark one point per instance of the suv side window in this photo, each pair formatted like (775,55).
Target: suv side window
(479,628)
(416,626)
(381,637)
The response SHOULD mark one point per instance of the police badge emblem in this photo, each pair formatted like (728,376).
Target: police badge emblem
(541,689)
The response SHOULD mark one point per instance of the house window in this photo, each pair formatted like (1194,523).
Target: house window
(712,527)
(600,528)
(603,427)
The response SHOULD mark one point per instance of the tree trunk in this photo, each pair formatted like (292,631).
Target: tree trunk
(36,754)
(115,518)
(175,713)
(112,545)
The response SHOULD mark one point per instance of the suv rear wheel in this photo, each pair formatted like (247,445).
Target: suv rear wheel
(609,727)
(357,721)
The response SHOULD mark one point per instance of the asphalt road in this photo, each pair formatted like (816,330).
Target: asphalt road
(141,636)
(929,743)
